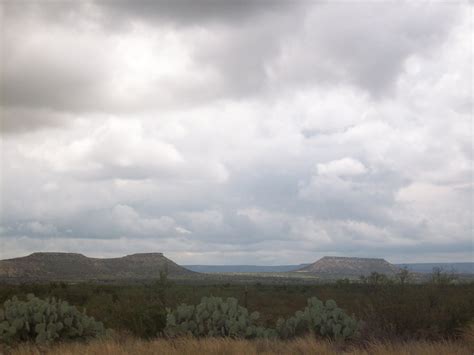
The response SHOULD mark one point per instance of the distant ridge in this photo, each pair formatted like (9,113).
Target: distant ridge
(243,268)
(455,268)
(427,268)
(347,266)
(72,266)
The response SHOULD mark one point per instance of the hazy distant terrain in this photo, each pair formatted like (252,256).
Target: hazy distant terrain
(465,268)
(457,268)
(243,268)
(148,266)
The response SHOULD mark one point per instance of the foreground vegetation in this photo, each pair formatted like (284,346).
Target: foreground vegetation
(215,317)
(50,320)
(393,311)
(211,346)
(45,321)
(369,317)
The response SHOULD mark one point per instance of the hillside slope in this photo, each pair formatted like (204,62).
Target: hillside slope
(72,266)
(346,267)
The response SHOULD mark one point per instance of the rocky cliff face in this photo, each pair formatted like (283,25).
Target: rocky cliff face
(344,266)
(71,266)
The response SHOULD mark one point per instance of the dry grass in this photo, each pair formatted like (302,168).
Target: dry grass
(121,345)
(229,347)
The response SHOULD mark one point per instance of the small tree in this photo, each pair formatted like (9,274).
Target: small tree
(403,276)
(375,278)
(343,282)
(162,285)
(440,277)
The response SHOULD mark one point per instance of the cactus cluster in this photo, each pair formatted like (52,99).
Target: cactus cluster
(215,317)
(45,321)
(325,319)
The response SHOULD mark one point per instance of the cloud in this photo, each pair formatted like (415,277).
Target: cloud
(188,12)
(363,44)
(129,222)
(147,66)
(16,121)
(342,167)
(86,66)
(46,66)
(237,132)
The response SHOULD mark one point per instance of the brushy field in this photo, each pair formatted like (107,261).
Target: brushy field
(224,346)
(402,312)
(399,319)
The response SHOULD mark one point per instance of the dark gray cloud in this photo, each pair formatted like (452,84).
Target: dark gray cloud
(363,44)
(53,11)
(191,13)
(15,121)
(49,64)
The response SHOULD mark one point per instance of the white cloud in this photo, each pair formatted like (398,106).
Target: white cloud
(342,167)
(36,227)
(131,223)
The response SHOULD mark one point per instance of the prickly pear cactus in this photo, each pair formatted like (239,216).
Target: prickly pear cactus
(215,317)
(325,319)
(45,321)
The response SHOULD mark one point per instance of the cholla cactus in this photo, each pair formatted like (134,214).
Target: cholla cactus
(215,317)
(45,321)
(326,319)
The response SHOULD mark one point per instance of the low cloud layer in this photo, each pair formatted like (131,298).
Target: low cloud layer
(237,132)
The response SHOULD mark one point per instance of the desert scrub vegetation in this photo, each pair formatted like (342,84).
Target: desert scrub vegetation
(324,319)
(218,346)
(390,311)
(140,312)
(45,321)
(215,317)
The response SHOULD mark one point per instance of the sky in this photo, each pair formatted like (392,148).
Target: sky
(237,132)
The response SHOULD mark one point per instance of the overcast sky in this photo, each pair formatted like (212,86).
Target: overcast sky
(237,131)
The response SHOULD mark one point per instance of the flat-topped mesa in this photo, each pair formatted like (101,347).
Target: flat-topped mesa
(45,256)
(73,266)
(54,254)
(345,258)
(144,255)
(59,255)
(348,266)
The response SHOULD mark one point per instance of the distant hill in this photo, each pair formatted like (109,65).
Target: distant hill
(72,266)
(77,267)
(349,267)
(210,269)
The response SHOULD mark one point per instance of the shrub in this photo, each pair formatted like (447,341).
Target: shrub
(376,279)
(440,277)
(45,321)
(215,317)
(142,320)
(326,319)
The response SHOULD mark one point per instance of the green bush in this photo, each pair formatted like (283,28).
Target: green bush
(45,321)
(215,317)
(327,319)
